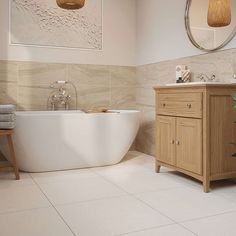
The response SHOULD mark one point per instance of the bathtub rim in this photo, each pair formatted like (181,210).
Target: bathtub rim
(73,112)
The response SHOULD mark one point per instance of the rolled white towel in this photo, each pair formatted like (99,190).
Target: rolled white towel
(6,109)
(7,117)
(7,125)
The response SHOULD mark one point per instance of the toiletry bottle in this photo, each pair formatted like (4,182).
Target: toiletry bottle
(180,80)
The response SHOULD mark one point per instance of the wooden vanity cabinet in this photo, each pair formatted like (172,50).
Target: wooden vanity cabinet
(194,129)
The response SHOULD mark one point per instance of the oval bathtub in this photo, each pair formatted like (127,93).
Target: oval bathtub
(60,140)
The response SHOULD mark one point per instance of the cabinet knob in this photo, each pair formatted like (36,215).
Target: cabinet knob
(177,143)
(189,106)
(163,104)
(172,142)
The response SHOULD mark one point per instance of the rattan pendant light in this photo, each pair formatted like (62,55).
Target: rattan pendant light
(219,13)
(70,4)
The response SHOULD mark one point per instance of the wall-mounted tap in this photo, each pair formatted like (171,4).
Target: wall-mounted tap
(60,98)
(60,82)
(205,78)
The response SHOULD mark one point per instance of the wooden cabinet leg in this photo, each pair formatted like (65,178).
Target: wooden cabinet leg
(13,156)
(206,186)
(158,167)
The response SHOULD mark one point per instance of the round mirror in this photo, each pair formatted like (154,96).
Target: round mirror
(200,33)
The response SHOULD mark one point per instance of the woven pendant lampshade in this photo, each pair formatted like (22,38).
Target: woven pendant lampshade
(219,13)
(71,4)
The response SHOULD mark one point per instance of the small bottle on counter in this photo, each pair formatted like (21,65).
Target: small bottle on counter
(179,80)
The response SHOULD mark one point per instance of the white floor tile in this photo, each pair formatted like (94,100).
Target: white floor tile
(109,217)
(170,230)
(80,189)
(132,155)
(95,202)
(38,222)
(184,179)
(137,180)
(187,203)
(225,189)
(17,198)
(48,177)
(139,159)
(132,161)
(119,169)
(221,225)
(165,169)
(7,179)
(142,160)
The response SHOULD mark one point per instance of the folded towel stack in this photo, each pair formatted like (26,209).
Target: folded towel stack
(7,116)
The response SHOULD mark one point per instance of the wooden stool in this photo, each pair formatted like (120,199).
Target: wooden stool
(12,163)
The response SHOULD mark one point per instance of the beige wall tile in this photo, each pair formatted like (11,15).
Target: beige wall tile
(123,98)
(91,97)
(122,76)
(149,76)
(145,141)
(116,87)
(89,75)
(8,71)
(145,96)
(8,93)
(41,74)
(33,98)
(222,64)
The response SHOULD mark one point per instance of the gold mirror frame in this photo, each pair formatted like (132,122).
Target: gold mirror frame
(191,38)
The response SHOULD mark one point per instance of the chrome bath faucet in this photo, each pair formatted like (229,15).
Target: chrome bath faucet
(60,98)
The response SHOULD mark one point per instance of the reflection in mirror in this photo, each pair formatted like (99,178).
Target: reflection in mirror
(219,13)
(200,33)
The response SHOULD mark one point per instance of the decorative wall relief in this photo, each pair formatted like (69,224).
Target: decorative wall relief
(43,23)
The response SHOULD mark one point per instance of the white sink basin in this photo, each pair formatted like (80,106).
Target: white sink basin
(197,83)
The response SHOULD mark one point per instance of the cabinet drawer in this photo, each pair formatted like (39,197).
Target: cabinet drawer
(184,105)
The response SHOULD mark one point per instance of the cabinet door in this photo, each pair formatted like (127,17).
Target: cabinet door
(166,139)
(189,144)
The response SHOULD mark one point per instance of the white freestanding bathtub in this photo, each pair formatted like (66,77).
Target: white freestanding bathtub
(59,140)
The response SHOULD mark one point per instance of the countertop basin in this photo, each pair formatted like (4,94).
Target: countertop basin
(198,83)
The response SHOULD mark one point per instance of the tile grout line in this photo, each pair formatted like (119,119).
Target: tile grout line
(178,223)
(181,223)
(133,196)
(128,194)
(145,229)
(111,197)
(23,210)
(107,180)
(155,209)
(92,200)
(53,206)
(110,87)
(189,230)
(26,209)
(222,196)
(163,214)
(175,222)
(17,86)
(206,217)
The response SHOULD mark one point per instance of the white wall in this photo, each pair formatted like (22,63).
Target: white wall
(160,36)
(119,37)
(161,32)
